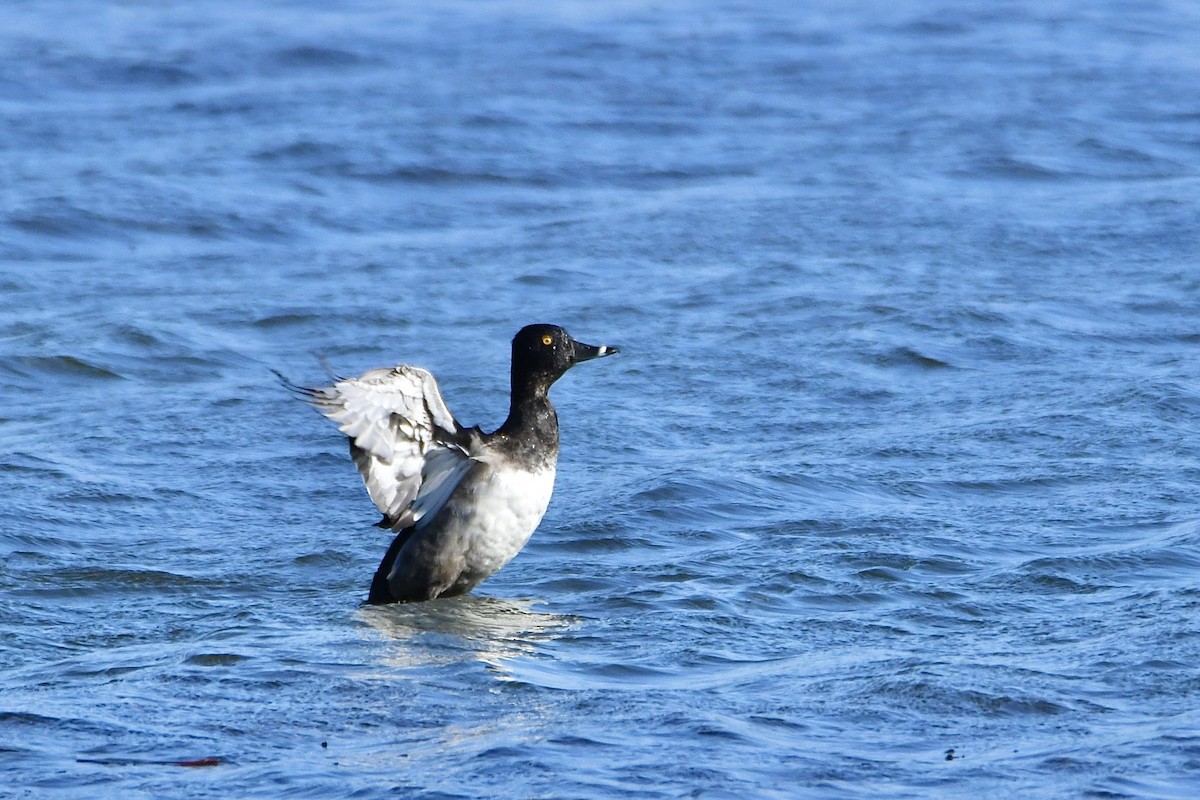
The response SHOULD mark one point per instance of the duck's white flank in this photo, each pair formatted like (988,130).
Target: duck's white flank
(478,530)
(498,514)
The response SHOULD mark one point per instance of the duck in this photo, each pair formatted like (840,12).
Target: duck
(461,502)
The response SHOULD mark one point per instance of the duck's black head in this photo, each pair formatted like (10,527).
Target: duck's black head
(542,353)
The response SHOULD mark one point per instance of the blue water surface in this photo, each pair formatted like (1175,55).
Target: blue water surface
(890,493)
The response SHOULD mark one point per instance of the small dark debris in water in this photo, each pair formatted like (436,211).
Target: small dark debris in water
(211,761)
(950,754)
(324,745)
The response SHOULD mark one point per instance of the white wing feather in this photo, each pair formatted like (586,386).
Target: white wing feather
(402,439)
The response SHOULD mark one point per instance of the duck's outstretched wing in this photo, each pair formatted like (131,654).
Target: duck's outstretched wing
(408,447)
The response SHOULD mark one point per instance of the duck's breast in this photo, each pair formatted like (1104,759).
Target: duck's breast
(495,511)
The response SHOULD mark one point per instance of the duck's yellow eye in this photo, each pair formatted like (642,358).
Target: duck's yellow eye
(547,339)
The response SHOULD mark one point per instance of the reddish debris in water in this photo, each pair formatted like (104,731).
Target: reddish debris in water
(199,762)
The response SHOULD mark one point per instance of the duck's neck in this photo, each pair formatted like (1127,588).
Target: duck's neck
(531,430)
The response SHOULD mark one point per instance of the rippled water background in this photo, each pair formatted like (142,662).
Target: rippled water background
(891,492)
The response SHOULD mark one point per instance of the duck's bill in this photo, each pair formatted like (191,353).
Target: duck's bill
(586,352)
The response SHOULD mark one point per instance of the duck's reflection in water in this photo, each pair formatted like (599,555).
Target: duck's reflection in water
(447,630)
